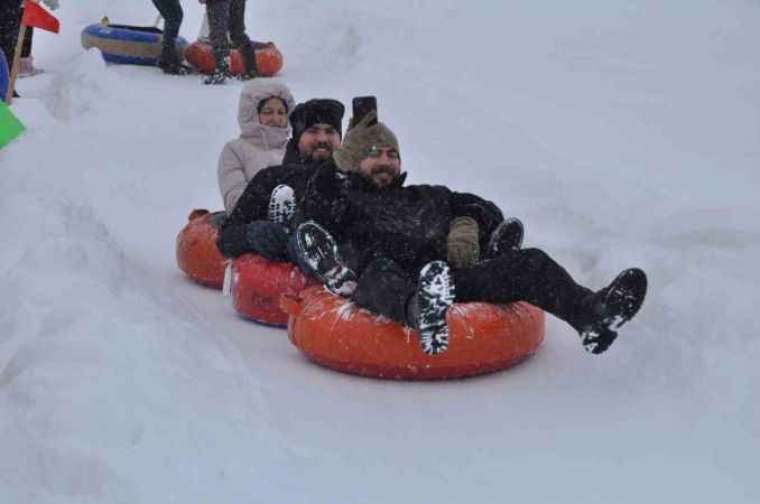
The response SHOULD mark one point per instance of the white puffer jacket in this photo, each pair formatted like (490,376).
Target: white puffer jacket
(258,147)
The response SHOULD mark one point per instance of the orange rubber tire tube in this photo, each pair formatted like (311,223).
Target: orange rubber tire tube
(269,59)
(483,338)
(197,253)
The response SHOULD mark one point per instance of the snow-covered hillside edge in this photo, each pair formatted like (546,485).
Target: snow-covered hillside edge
(623,133)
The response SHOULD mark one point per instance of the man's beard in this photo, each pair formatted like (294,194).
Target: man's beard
(320,155)
(383,175)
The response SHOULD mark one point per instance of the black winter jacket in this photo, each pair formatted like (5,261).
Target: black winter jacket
(253,204)
(408,224)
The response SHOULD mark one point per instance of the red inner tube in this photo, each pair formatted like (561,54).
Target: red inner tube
(197,254)
(268,58)
(483,338)
(258,286)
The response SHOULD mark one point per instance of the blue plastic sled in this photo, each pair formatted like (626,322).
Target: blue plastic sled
(128,45)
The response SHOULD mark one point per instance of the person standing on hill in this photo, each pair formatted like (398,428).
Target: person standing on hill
(10,19)
(227,22)
(169,61)
(10,22)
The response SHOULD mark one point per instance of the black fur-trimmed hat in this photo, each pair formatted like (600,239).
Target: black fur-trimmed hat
(318,110)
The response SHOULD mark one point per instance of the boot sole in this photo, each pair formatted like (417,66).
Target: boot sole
(282,205)
(625,297)
(435,296)
(327,265)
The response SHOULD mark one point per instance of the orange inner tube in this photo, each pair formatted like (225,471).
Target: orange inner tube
(268,58)
(483,338)
(259,284)
(197,254)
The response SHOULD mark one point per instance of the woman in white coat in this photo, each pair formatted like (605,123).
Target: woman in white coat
(263,117)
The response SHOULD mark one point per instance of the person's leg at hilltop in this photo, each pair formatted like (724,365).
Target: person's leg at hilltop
(10,20)
(169,61)
(219,20)
(240,39)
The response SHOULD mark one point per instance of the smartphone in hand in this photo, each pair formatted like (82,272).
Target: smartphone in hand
(363,105)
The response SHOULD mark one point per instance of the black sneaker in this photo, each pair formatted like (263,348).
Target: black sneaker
(612,307)
(175,68)
(282,205)
(170,62)
(435,294)
(507,236)
(318,250)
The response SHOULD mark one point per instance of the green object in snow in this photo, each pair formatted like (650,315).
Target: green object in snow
(10,126)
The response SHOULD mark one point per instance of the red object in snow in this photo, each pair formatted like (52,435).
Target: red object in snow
(268,58)
(483,338)
(197,254)
(259,284)
(37,17)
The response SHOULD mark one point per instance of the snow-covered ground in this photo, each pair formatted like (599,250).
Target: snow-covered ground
(623,133)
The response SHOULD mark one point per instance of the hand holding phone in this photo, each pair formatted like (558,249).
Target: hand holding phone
(363,105)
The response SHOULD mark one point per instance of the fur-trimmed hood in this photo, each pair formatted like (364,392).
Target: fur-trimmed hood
(253,93)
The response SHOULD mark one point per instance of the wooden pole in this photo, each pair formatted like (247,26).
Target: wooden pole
(15,65)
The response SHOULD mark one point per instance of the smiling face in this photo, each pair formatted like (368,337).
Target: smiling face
(382,165)
(273,113)
(318,142)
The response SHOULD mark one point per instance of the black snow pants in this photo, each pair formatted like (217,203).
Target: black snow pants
(515,275)
(228,16)
(171,11)
(10,21)
(26,47)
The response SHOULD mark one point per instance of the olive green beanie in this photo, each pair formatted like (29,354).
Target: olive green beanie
(360,141)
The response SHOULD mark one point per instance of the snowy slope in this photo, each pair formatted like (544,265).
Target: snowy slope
(622,132)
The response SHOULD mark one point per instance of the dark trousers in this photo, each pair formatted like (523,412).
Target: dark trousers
(26,47)
(10,20)
(227,16)
(515,275)
(171,11)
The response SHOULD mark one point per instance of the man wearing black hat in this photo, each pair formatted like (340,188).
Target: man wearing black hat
(317,131)
(251,227)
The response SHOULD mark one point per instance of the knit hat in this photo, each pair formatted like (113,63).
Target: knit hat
(361,140)
(319,110)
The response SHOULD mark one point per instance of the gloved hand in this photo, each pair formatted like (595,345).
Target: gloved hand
(53,4)
(462,243)
(268,239)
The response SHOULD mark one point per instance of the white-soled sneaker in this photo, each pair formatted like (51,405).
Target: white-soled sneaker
(282,205)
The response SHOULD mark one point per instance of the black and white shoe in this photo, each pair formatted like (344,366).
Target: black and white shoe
(219,76)
(435,294)
(318,251)
(282,205)
(173,68)
(612,307)
(507,236)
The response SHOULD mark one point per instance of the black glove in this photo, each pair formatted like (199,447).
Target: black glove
(268,239)
(325,200)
